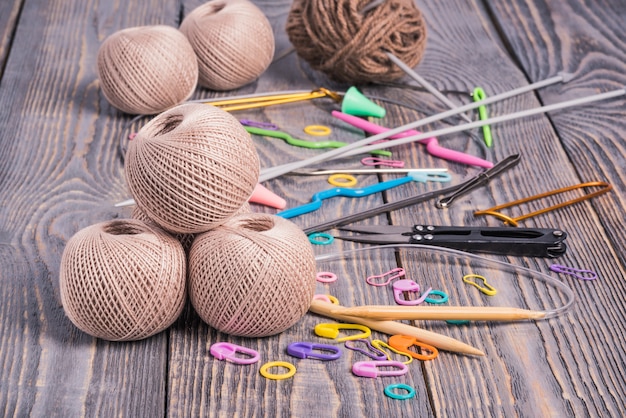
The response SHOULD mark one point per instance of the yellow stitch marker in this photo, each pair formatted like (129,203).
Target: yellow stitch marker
(380,344)
(342,180)
(478,95)
(291,370)
(486,288)
(317,130)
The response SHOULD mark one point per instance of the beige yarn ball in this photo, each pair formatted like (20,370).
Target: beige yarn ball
(122,281)
(254,276)
(147,69)
(191,168)
(185,239)
(233,41)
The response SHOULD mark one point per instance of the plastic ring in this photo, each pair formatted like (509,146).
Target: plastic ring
(326,277)
(389,391)
(342,180)
(321,297)
(317,130)
(326,239)
(444,296)
(290,367)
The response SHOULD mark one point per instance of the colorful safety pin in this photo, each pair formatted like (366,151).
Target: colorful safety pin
(371,351)
(432,144)
(229,351)
(375,369)
(404,342)
(605,187)
(313,350)
(406,285)
(302,142)
(331,331)
(316,200)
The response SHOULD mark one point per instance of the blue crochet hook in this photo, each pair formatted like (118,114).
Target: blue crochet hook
(316,200)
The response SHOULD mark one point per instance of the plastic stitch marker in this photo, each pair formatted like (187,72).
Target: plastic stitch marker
(371,351)
(380,344)
(404,342)
(371,161)
(374,369)
(291,370)
(578,273)
(332,331)
(486,288)
(389,391)
(317,130)
(443,297)
(321,238)
(342,180)
(406,285)
(228,352)
(389,275)
(312,350)
(326,277)
(479,95)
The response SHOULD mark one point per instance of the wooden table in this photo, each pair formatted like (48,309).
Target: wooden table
(61,170)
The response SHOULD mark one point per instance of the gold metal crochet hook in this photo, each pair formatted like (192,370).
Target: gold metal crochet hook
(229,105)
(605,187)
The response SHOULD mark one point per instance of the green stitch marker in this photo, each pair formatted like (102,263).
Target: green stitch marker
(478,95)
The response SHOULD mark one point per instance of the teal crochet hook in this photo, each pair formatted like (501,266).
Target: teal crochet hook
(316,200)
(304,143)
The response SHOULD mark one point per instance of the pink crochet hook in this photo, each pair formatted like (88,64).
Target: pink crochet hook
(432,144)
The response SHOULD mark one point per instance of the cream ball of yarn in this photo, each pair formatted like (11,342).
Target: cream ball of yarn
(233,41)
(191,168)
(122,280)
(147,69)
(253,276)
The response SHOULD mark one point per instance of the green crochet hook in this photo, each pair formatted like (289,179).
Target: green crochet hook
(304,143)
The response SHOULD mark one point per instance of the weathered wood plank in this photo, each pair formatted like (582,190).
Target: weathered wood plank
(60,172)
(9,14)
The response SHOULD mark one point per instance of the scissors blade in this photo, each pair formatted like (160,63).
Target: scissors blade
(377,229)
(376,238)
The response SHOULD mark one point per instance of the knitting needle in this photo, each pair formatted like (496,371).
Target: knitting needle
(472,313)
(440,341)
(359,147)
(431,89)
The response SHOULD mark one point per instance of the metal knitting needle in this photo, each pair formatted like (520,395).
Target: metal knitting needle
(431,89)
(273,172)
(314,172)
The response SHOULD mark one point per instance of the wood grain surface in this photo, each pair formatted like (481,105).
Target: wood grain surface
(61,170)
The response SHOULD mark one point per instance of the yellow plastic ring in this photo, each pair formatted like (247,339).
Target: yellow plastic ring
(333,300)
(342,180)
(317,130)
(266,374)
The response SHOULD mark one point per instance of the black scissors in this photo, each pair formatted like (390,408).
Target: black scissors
(531,242)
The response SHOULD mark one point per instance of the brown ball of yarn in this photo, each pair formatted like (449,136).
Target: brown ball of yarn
(337,38)
(254,276)
(122,281)
(233,40)
(191,168)
(147,69)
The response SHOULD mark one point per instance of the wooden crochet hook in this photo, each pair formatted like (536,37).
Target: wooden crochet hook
(440,341)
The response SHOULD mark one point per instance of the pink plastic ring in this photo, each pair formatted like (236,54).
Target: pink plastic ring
(326,277)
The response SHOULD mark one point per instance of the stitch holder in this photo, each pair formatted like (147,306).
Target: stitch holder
(508,220)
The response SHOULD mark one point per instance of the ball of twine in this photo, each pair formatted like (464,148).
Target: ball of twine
(254,276)
(147,69)
(191,167)
(122,281)
(233,41)
(337,38)
(185,239)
